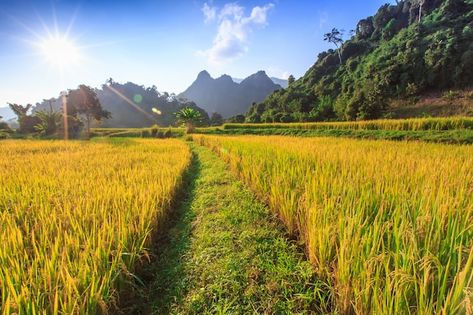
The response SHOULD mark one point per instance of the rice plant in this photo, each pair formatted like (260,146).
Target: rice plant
(75,217)
(388,225)
(412,124)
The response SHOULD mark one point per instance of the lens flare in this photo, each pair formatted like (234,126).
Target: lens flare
(138,98)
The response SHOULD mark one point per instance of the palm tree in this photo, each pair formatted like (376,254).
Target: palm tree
(50,122)
(189,116)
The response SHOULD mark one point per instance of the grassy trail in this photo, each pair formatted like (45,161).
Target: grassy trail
(226,254)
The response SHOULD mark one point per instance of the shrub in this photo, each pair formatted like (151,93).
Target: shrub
(451,95)
(389,115)
(145,133)
(154,132)
(411,89)
(4,126)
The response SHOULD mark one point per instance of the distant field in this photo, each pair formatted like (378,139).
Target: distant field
(388,226)
(455,130)
(76,217)
(413,124)
(137,132)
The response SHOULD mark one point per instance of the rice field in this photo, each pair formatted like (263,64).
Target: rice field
(387,225)
(76,216)
(412,124)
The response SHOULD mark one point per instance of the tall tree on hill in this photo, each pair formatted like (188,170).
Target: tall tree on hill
(335,37)
(87,104)
(419,3)
(290,79)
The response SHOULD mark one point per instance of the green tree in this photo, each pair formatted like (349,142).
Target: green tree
(87,104)
(216,119)
(3,125)
(26,122)
(189,117)
(237,119)
(290,80)
(335,37)
(50,122)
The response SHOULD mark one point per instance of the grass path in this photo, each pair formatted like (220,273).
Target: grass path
(226,254)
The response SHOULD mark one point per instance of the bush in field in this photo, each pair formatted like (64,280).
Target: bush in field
(189,117)
(216,119)
(154,132)
(451,95)
(168,133)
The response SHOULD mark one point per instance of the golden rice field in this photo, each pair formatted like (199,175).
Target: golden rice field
(411,124)
(76,216)
(387,225)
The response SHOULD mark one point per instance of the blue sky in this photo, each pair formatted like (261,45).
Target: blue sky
(162,43)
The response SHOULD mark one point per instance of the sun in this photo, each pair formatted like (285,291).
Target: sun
(60,51)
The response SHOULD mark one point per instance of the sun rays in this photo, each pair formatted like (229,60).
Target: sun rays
(60,51)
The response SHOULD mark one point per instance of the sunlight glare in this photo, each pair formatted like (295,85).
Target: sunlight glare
(60,51)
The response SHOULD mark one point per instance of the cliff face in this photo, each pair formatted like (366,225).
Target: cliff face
(226,97)
(402,51)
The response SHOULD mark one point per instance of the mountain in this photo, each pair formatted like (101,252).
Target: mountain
(395,59)
(227,97)
(6,113)
(131,105)
(283,83)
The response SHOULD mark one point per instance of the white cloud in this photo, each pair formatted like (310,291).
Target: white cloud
(231,10)
(231,41)
(278,73)
(209,12)
(323,19)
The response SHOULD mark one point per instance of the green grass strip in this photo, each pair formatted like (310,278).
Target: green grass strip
(227,254)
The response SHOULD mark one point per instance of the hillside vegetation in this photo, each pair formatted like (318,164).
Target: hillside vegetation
(131,105)
(401,52)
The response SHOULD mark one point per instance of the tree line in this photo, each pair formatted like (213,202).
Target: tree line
(80,108)
(75,112)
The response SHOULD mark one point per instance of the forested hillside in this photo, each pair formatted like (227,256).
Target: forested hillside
(401,53)
(131,105)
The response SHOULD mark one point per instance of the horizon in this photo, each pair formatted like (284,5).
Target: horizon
(125,42)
